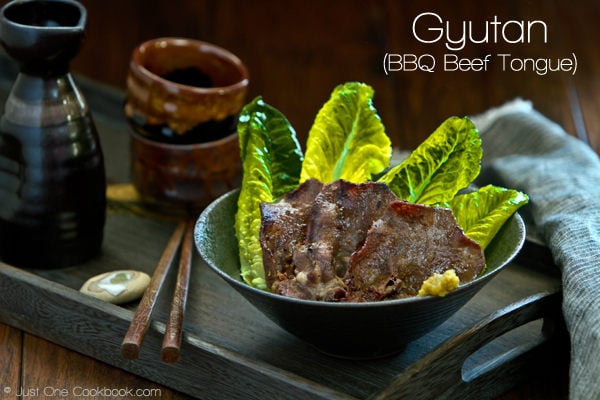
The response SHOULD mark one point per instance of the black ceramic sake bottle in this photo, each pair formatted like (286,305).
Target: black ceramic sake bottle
(52,179)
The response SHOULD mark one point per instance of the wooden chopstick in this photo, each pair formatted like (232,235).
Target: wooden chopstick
(173,331)
(130,348)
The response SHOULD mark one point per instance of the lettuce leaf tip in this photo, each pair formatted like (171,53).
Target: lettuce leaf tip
(482,213)
(446,162)
(347,139)
(271,162)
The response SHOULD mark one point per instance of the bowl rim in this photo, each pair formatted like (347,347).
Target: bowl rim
(462,289)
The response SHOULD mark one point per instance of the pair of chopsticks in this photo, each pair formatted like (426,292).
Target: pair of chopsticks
(130,348)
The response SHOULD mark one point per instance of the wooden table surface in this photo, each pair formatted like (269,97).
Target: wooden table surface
(297,51)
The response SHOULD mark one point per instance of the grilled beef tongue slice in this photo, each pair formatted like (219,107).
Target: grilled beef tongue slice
(334,224)
(339,220)
(283,230)
(359,242)
(407,245)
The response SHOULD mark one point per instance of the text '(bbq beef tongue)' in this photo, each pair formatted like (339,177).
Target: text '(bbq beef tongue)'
(359,242)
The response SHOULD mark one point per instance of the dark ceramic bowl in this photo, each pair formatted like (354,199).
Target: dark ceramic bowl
(349,330)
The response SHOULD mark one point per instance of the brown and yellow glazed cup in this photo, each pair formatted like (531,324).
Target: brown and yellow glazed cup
(183,100)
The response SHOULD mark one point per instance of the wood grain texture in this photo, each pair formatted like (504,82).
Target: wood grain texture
(229,349)
(94,329)
(130,348)
(297,52)
(92,378)
(11,345)
(446,364)
(174,330)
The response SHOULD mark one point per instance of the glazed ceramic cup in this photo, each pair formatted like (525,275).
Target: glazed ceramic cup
(183,99)
(184,178)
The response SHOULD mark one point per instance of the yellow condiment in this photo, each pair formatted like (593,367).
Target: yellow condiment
(439,284)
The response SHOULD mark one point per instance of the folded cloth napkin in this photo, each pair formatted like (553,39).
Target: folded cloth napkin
(561,174)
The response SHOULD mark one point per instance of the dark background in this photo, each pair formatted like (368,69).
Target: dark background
(297,51)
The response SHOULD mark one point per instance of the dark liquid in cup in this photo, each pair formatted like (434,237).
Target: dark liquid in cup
(190,76)
(205,132)
(202,133)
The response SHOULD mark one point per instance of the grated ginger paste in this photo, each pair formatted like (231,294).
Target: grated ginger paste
(439,284)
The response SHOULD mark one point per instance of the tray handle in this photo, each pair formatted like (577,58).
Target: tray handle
(440,373)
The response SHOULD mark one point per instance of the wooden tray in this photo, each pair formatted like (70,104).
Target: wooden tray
(231,351)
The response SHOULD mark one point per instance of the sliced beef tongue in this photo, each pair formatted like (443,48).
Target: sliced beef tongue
(407,245)
(339,220)
(283,230)
(307,240)
(359,242)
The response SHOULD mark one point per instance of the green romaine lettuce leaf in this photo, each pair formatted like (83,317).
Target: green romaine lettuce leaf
(347,140)
(482,213)
(271,162)
(446,162)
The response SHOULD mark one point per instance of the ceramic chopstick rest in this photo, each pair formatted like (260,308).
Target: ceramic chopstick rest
(117,287)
